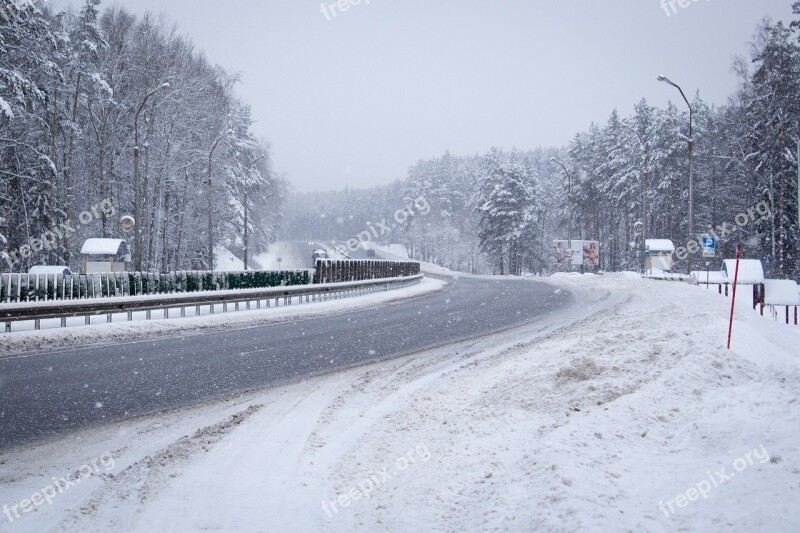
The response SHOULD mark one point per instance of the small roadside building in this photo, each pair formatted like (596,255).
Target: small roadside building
(62,271)
(659,254)
(751,271)
(105,255)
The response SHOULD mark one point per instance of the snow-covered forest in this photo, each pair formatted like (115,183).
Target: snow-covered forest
(500,212)
(77,89)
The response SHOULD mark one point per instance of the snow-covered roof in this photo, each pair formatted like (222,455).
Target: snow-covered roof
(103,246)
(751,272)
(48,269)
(660,245)
(712,276)
(781,292)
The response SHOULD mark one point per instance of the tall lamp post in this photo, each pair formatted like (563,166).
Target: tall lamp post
(137,186)
(246,251)
(645,180)
(211,203)
(569,201)
(691,157)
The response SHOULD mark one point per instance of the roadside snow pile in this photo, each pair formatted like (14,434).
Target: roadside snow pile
(623,413)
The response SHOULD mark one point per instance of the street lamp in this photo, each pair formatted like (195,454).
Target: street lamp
(210,203)
(137,189)
(569,201)
(645,180)
(691,157)
(253,162)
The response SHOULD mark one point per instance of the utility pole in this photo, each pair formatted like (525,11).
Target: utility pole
(691,175)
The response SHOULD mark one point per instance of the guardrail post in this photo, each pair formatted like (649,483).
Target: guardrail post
(88,320)
(37,324)
(147,315)
(108,318)
(63,321)
(8,327)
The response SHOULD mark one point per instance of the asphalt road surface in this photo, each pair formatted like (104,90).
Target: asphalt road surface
(47,394)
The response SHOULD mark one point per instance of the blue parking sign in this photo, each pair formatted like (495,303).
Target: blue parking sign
(709,246)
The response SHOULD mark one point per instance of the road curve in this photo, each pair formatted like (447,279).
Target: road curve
(47,394)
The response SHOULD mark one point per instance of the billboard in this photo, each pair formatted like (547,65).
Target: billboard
(562,253)
(576,253)
(591,253)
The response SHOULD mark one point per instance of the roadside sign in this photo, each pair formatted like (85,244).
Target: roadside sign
(709,247)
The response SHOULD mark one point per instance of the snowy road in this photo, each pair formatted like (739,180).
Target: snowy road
(47,394)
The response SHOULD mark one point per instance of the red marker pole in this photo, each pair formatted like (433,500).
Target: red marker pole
(733,299)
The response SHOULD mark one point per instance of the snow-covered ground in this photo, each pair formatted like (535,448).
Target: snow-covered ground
(225,261)
(625,413)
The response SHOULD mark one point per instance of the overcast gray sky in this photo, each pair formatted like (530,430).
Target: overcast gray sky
(356,98)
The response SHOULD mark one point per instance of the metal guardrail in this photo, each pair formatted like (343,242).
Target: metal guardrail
(63,310)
